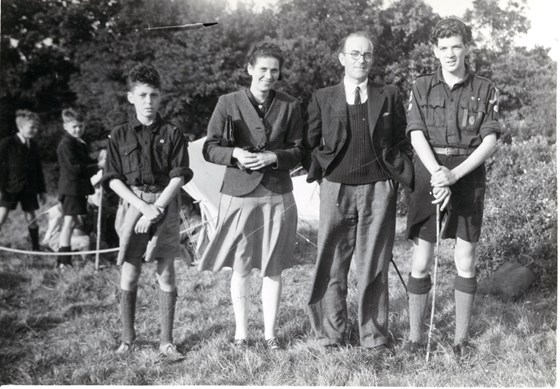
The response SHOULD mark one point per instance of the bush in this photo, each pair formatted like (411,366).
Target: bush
(520,218)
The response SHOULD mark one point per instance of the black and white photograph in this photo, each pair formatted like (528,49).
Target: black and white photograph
(278,193)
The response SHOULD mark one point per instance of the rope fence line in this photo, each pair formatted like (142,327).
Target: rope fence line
(54,253)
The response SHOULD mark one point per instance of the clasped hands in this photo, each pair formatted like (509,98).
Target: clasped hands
(441,180)
(254,161)
(151,214)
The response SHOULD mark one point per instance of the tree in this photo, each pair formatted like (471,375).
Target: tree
(494,27)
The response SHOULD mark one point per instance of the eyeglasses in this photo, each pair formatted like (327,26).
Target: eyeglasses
(355,55)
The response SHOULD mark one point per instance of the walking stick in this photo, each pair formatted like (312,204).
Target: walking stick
(399,274)
(438,218)
(98,243)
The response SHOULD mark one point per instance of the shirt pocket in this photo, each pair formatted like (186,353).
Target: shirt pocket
(130,157)
(434,111)
(472,111)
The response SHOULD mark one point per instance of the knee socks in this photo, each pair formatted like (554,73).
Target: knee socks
(34,236)
(167,302)
(418,292)
(465,289)
(64,259)
(128,311)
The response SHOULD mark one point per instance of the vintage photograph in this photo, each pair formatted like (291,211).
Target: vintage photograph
(278,193)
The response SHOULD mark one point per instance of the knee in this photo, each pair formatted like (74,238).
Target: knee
(465,263)
(129,280)
(166,281)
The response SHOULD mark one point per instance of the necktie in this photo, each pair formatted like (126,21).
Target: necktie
(357,97)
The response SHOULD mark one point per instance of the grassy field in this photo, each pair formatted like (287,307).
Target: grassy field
(62,329)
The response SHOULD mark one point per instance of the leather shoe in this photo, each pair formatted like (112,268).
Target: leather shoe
(463,351)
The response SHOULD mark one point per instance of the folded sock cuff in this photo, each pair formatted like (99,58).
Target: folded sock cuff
(419,285)
(465,285)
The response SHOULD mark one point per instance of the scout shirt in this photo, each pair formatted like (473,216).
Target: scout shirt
(151,155)
(460,117)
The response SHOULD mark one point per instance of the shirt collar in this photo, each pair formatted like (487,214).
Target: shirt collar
(467,81)
(152,127)
(21,138)
(350,90)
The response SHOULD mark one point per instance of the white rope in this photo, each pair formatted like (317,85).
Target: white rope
(438,218)
(51,253)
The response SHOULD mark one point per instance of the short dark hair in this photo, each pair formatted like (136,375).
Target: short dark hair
(361,34)
(266,49)
(143,73)
(69,114)
(25,115)
(451,27)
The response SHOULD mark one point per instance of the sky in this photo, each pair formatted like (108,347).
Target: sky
(543,15)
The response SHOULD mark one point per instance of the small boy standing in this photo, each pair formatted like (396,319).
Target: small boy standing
(147,164)
(21,173)
(74,186)
(453,127)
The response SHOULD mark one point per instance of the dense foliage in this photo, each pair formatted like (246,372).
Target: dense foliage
(61,52)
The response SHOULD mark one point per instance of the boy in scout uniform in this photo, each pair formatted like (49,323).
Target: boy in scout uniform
(453,127)
(147,164)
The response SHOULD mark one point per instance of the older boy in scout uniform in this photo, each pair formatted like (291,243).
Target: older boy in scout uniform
(453,127)
(147,164)
(21,173)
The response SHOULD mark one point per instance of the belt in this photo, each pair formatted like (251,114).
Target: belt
(453,151)
(149,188)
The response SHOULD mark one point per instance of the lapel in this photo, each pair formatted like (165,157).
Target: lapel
(252,119)
(375,101)
(338,103)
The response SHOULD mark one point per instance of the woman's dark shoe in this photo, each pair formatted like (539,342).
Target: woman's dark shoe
(240,343)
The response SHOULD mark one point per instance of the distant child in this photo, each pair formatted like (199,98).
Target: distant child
(21,173)
(74,186)
(147,164)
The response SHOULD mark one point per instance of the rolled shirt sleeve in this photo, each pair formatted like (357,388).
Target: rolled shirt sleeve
(414,115)
(179,161)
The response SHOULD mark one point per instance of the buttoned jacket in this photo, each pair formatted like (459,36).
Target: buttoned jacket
(20,167)
(76,167)
(280,131)
(327,126)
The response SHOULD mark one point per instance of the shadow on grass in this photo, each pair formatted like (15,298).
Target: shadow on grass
(10,280)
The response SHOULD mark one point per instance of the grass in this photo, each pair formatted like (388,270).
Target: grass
(62,329)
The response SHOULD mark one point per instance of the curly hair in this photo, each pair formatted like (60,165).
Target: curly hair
(451,27)
(143,73)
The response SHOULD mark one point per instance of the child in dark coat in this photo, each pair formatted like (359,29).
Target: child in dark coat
(21,173)
(74,186)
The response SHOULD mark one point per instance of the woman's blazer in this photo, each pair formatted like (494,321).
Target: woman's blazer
(280,131)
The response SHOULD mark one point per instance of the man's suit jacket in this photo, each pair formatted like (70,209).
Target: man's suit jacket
(327,126)
(76,167)
(280,132)
(20,167)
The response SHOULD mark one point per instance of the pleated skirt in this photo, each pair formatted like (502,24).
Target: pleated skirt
(256,231)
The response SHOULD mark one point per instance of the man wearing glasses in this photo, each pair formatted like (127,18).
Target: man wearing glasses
(356,147)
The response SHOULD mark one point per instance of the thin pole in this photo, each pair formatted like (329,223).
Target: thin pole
(98,243)
(438,218)
(399,273)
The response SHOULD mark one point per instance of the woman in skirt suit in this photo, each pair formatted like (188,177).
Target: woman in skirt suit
(257,133)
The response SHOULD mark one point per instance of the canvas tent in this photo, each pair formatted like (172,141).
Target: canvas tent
(205,189)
